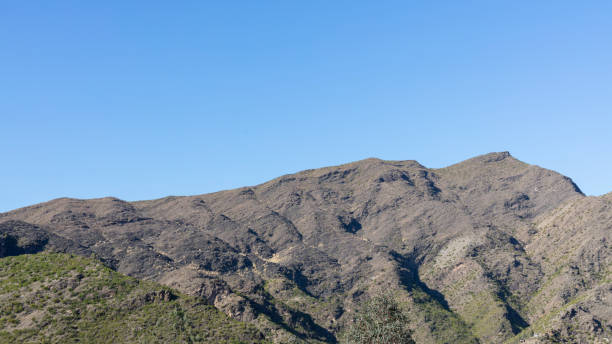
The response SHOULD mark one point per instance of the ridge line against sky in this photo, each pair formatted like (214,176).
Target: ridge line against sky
(141,100)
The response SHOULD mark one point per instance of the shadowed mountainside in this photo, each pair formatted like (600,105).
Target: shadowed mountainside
(487,250)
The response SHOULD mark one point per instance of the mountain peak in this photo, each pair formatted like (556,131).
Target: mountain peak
(490,157)
(497,156)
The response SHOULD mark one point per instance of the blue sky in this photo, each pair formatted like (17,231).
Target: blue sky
(141,100)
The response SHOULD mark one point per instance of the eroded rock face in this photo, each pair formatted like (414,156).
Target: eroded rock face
(468,244)
(18,237)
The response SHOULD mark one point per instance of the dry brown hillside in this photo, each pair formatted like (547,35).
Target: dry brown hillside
(488,250)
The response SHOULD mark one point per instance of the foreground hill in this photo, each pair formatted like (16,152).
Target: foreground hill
(489,250)
(59,298)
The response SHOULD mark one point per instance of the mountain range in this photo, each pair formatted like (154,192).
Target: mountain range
(489,250)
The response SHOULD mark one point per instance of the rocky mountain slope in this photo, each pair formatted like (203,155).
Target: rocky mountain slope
(489,250)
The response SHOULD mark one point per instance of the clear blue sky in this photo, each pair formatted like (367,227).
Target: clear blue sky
(143,99)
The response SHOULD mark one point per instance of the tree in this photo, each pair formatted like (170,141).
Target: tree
(379,321)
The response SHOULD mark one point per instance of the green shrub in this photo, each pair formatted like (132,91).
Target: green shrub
(380,320)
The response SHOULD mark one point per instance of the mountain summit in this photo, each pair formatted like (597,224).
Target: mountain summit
(488,250)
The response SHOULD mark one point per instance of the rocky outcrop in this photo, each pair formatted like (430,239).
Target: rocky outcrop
(18,237)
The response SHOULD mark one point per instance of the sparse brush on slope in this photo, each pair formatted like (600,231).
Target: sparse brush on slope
(59,298)
(379,321)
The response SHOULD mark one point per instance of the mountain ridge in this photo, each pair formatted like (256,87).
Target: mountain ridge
(296,255)
(487,158)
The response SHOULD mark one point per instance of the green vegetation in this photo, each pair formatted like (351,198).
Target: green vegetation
(59,298)
(444,325)
(381,320)
(483,312)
